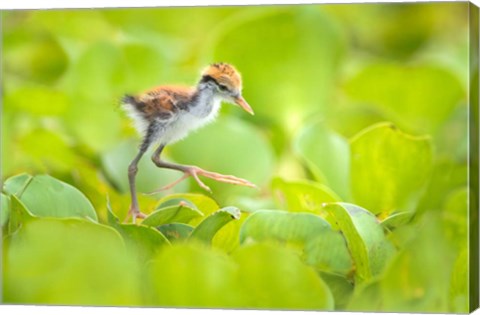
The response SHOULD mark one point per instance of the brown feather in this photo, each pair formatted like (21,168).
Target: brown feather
(163,101)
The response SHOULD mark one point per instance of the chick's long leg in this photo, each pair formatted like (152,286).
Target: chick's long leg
(195,172)
(132,172)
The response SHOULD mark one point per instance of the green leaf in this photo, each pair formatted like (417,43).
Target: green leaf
(204,204)
(228,237)
(165,203)
(99,73)
(19,215)
(327,154)
(86,262)
(295,228)
(447,176)
(45,196)
(17,184)
(172,214)
(366,241)
(408,93)
(397,219)
(321,247)
(327,251)
(207,229)
(389,168)
(190,275)
(263,271)
(176,231)
(302,195)
(342,289)
(228,146)
(417,278)
(367,297)
(4,210)
(115,163)
(143,241)
(311,36)
(95,84)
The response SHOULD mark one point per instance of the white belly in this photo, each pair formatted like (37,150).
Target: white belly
(185,123)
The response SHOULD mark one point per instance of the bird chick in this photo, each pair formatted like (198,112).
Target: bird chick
(166,114)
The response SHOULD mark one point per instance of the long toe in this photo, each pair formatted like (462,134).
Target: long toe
(194,174)
(225,178)
(169,186)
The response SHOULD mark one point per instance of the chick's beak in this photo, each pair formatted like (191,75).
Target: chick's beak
(240,101)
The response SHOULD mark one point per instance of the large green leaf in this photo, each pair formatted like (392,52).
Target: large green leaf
(366,297)
(417,97)
(327,251)
(295,228)
(366,240)
(143,241)
(95,84)
(172,214)
(288,76)
(273,277)
(45,196)
(19,215)
(397,219)
(192,276)
(99,73)
(176,231)
(228,146)
(228,237)
(321,247)
(417,278)
(327,154)
(69,262)
(207,229)
(389,168)
(341,287)
(204,204)
(447,176)
(302,195)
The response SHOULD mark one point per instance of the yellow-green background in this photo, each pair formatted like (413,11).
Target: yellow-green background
(315,75)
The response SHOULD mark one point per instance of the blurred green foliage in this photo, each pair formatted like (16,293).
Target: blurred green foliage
(359,148)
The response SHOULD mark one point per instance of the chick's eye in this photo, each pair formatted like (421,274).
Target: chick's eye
(222,87)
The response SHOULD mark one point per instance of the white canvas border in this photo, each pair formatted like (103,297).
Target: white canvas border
(49,4)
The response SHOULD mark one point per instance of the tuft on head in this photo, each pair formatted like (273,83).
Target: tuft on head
(223,74)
